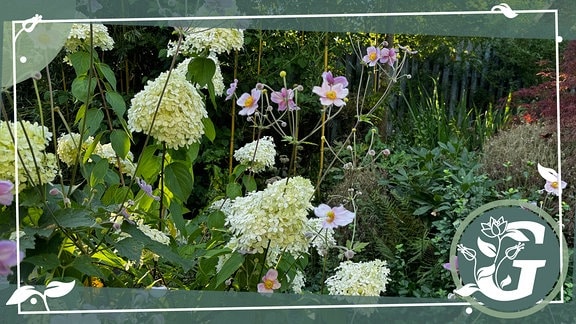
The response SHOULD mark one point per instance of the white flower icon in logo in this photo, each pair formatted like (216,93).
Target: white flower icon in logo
(488,279)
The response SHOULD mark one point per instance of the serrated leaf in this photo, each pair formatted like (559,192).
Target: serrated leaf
(516,235)
(57,289)
(209,129)
(116,102)
(84,264)
(485,271)
(488,249)
(73,218)
(505,282)
(48,261)
(467,290)
(216,219)
(120,143)
(179,180)
(22,294)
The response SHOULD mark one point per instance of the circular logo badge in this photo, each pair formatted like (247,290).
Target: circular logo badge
(508,259)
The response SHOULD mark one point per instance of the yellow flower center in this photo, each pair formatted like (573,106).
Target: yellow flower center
(269,284)
(331,94)
(249,101)
(330,216)
(372,56)
(555,184)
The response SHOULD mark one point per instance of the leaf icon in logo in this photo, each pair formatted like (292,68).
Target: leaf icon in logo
(54,289)
(57,289)
(506,281)
(22,294)
(488,249)
(485,272)
(516,235)
(467,290)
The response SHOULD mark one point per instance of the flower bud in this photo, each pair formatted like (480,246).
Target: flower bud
(349,254)
(282,74)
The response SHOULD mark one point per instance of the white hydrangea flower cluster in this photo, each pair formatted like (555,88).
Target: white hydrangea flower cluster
(216,40)
(320,238)
(265,154)
(276,216)
(68,148)
(217,79)
(39,137)
(79,37)
(298,282)
(179,119)
(359,279)
(107,152)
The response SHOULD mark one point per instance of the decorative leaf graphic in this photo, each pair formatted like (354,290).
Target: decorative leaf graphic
(22,294)
(485,272)
(516,235)
(467,290)
(488,249)
(57,289)
(505,282)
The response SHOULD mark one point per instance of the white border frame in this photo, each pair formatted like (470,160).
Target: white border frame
(496,10)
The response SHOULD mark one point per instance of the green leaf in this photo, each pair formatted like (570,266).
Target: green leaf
(116,194)
(179,180)
(92,147)
(201,70)
(80,61)
(230,266)
(249,182)
(83,87)
(149,165)
(48,261)
(233,190)
(116,102)
(94,118)
(98,172)
(143,241)
(193,151)
(120,142)
(84,264)
(209,129)
(107,72)
(72,218)
(216,219)
(176,213)
(422,210)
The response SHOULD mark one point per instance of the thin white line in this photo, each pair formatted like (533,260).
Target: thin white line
(559,151)
(243,308)
(297,16)
(15,134)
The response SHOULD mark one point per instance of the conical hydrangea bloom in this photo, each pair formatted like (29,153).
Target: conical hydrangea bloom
(179,119)
(278,215)
(39,137)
